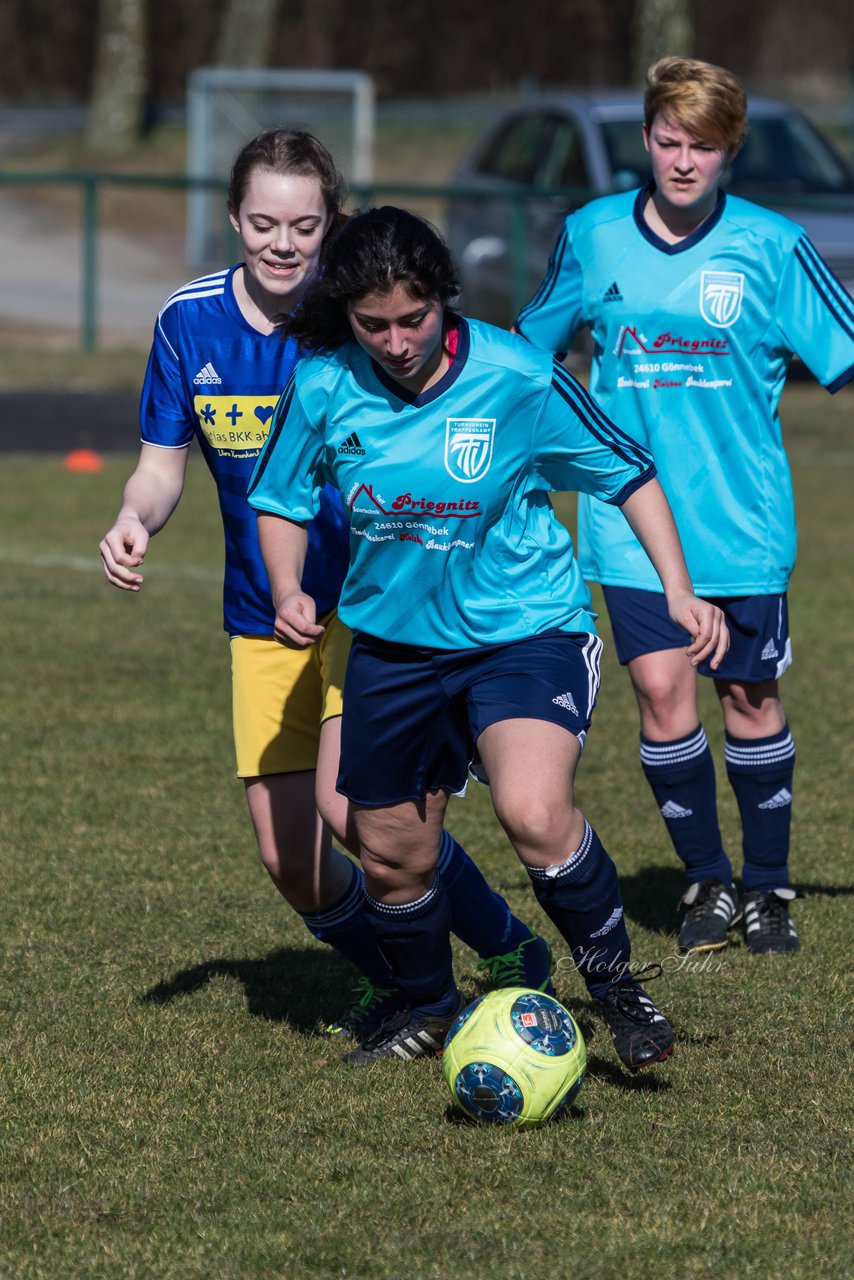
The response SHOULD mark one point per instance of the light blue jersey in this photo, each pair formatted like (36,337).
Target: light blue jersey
(212,376)
(454,543)
(692,345)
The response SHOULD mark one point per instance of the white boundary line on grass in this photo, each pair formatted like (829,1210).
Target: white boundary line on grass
(91,564)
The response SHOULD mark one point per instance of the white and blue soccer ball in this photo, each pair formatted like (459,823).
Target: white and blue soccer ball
(514,1057)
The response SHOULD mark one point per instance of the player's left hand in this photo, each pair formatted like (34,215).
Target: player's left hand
(705,622)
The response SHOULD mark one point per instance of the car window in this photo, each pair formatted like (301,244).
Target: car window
(786,154)
(515,152)
(564,166)
(626,153)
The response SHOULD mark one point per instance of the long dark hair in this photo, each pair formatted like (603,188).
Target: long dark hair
(374,251)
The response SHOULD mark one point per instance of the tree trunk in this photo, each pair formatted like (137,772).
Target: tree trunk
(246,33)
(117,104)
(659,28)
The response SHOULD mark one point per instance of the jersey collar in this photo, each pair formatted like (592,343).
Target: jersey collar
(688,243)
(447,379)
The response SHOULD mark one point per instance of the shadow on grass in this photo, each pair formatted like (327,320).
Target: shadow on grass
(458,1118)
(299,986)
(651,896)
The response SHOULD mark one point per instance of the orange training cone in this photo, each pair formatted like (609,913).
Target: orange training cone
(84,460)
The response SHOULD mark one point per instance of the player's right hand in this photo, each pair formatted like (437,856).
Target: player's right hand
(295,624)
(122,551)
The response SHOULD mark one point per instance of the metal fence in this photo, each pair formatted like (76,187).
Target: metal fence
(521,265)
(91,186)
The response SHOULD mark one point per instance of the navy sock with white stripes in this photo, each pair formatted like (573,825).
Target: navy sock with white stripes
(479,916)
(582,897)
(416,939)
(345,927)
(761,772)
(682,776)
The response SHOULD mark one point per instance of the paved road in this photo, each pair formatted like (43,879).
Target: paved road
(41,254)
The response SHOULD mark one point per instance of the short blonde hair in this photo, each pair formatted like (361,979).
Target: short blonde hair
(707,101)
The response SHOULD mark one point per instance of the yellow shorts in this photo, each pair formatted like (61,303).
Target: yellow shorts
(281,696)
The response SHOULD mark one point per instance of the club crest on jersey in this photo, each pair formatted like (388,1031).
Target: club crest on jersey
(721,293)
(468,447)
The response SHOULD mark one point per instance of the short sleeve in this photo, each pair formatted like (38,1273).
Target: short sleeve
(577,447)
(554,315)
(165,416)
(815,316)
(289,476)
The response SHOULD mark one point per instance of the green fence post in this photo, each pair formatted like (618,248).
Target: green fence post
(89,265)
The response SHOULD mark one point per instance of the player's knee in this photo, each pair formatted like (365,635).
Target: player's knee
(533,821)
(387,869)
(291,869)
(660,695)
(755,707)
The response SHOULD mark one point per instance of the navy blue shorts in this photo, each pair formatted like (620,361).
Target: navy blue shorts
(412,716)
(760,648)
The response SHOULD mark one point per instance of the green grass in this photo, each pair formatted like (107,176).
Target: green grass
(169,1111)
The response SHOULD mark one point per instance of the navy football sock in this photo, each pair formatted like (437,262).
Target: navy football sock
(479,916)
(682,776)
(582,897)
(415,938)
(761,772)
(345,927)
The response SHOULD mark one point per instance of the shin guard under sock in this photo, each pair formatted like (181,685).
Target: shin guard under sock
(582,897)
(681,774)
(415,939)
(479,916)
(761,772)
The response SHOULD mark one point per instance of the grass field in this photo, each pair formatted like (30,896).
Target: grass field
(169,1111)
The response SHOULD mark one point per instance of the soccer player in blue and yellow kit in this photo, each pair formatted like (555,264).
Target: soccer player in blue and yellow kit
(697,301)
(215,371)
(472,624)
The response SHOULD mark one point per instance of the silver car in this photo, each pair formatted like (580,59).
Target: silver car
(591,144)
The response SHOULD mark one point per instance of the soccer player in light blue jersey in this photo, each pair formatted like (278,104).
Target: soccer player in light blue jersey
(473,626)
(215,371)
(697,302)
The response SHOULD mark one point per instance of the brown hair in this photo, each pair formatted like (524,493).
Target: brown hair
(289,152)
(707,101)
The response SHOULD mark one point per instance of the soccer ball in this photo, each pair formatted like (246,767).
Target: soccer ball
(514,1057)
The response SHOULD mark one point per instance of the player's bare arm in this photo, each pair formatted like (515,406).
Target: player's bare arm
(648,513)
(283,546)
(151,495)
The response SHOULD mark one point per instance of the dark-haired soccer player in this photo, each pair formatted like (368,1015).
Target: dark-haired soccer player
(697,301)
(472,625)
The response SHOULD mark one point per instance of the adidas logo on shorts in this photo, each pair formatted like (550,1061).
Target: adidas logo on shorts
(770,651)
(566,701)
